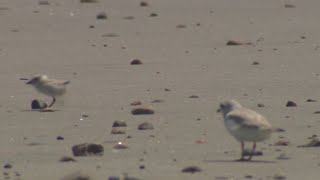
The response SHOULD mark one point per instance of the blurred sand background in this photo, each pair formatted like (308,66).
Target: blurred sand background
(63,39)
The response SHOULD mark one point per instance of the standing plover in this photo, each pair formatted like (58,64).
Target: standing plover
(245,125)
(49,87)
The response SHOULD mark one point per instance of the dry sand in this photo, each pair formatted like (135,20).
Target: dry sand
(57,40)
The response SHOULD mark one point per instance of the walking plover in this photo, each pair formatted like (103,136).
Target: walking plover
(49,87)
(245,125)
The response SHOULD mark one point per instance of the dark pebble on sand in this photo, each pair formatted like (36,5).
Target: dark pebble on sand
(144,4)
(142,111)
(136,62)
(145,126)
(191,169)
(60,138)
(102,15)
(7,166)
(315,142)
(38,104)
(237,43)
(67,159)
(87,149)
(291,104)
(119,123)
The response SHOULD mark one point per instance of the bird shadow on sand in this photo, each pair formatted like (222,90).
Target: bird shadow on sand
(40,110)
(238,161)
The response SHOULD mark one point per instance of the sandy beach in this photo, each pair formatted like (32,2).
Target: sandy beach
(187,67)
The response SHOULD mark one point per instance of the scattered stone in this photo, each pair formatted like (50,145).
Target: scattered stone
(7,166)
(191,169)
(180,26)
(248,176)
(136,62)
(237,43)
(291,104)
(283,156)
(166,89)
(193,96)
(60,138)
(289,6)
(102,15)
(120,145)
(311,100)
(144,4)
(153,15)
(282,143)
(260,105)
(255,63)
(247,152)
(136,103)
(76,176)
(67,159)
(313,143)
(118,131)
(157,101)
(142,167)
(85,115)
(142,111)
(145,126)
(316,112)
(88,1)
(43,2)
(87,149)
(120,123)
(38,104)
(303,37)
(91,26)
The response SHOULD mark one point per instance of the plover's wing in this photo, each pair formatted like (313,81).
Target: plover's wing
(56,82)
(246,118)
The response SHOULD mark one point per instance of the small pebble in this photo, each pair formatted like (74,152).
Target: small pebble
(60,138)
(145,126)
(101,15)
(193,96)
(180,26)
(316,112)
(120,123)
(157,101)
(153,15)
(144,4)
(191,169)
(142,111)
(136,62)
(7,166)
(279,176)
(260,105)
(237,43)
(87,149)
(311,100)
(291,104)
(255,63)
(142,167)
(113,178)
(38,104)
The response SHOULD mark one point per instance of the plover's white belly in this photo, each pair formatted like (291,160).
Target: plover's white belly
(247,133)
(51,90)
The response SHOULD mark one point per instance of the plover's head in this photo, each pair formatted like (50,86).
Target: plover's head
(227,106)
(38,79)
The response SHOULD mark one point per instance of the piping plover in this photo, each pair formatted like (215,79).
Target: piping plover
(49,87)
(245,125)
